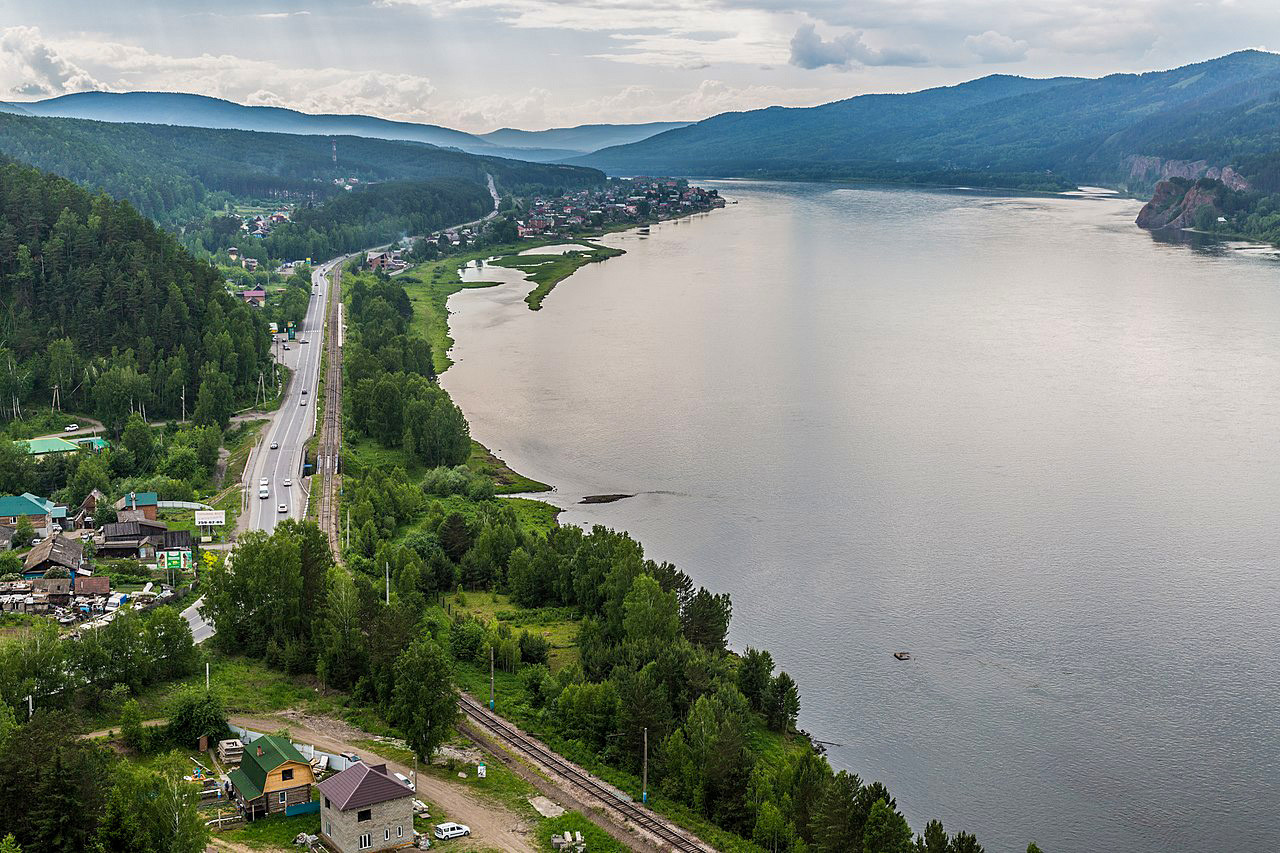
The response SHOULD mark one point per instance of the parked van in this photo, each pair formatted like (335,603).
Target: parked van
(452,830)
(405,780)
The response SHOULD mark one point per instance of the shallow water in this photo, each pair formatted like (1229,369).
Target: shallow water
(1020,438)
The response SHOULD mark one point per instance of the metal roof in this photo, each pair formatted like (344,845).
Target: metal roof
(362,785)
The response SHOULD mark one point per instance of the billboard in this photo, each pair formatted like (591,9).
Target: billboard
(211,517)
(175,560)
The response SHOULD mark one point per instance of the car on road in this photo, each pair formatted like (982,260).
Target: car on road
(304,392)
(286,346)
(304,341)
(264,482)
(282,508)
(287,482)
(452,830)
(302,402)
(71,428)
(263,491)
(275,445)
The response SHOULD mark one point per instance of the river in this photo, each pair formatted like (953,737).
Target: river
(1017,437)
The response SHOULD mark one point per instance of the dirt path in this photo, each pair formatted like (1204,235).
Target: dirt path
(493,826)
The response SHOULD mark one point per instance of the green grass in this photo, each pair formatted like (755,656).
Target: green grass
(273,833)
(505,480)
(246,685)
(41,421)
(546,271)
(598,841)
(534,516)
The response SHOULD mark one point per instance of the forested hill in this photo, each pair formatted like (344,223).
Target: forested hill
(179,174)
(96,299)
(1125,129)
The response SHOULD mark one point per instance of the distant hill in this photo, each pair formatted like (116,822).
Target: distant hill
(1125,129)
(177,108)
(584,138)
(176,174)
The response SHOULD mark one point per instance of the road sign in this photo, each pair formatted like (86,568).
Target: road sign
(211,517)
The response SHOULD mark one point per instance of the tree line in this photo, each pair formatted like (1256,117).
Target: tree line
(98,302)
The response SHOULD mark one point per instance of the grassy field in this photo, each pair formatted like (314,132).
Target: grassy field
(273,833)
(558,625)
(546,271)
(246,685)
(506,481)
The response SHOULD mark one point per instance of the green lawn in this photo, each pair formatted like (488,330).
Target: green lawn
(546,271)
(273,833)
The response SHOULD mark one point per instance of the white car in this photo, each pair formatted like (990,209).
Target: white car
(264,482)
(71,428)
(282,508)
(404,780)
(302,402)
(275,445)
(452,830)
(287,482)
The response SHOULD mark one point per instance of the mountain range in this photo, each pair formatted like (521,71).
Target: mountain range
(177,108)
(1126,130)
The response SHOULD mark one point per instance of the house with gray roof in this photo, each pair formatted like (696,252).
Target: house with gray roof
(365,808)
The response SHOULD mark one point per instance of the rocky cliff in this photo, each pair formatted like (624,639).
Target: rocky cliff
(1143,169)
(1175,202)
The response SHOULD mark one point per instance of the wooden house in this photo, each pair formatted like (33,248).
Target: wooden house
(273,778)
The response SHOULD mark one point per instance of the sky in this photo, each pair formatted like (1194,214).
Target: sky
(477,65)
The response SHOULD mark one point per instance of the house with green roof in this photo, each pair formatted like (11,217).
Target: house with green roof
(40,512)
(38,447)
(273,778)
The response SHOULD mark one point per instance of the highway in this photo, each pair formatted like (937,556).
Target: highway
(293,425)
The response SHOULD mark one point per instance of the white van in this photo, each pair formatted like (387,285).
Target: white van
(263,491)
(405,781)
(452,830)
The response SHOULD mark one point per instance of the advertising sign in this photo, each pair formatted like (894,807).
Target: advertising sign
(211,517)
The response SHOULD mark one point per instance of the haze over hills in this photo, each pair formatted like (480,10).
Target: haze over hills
(174,174)
(584,138)
(1125,129)
(177,108)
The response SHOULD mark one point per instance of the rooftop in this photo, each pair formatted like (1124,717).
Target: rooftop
(362,785)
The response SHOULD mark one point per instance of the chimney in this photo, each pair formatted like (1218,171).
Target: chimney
(259,751)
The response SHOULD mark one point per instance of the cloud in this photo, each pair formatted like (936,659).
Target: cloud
(36,69)
(810,50)
(992,46)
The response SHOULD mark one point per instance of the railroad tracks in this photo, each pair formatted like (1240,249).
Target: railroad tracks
(664,832)
(330,450)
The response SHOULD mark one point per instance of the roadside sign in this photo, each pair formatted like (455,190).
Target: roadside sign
(480,771)
(211,517)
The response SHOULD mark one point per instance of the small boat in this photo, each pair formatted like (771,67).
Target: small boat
(902,655)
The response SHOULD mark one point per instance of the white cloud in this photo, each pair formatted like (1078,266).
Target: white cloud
(992,46)
(810,50)
(35,69)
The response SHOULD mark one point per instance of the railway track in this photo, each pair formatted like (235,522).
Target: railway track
(330,449)
(630,811)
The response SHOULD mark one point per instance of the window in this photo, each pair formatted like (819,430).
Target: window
(399,832)
(282,794)
(386,834)
(286,775)
(328,827)
(366,841)
(363,815)
(326,802)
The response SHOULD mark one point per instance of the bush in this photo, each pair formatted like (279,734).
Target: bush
(194,714)
(534,648)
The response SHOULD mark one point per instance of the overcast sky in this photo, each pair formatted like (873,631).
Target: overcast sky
(482,64)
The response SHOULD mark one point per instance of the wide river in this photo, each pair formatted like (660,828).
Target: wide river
(1018,437)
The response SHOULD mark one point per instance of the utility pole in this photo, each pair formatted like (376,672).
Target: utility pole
(348,527)
(644,784)
(386,566)
(206,682)
(491,678)
(184,401)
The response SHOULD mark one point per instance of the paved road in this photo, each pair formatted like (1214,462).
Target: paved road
(292,425)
